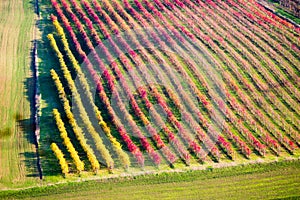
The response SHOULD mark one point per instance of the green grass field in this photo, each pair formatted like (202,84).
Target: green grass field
(256,181)
(16,35)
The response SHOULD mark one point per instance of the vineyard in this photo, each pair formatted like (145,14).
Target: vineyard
(166,84)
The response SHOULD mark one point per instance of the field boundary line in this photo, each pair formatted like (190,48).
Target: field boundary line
(37,95)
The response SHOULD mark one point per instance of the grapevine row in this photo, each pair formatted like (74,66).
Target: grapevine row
(67,142)
(98,141)
(85,86)
(60,157)
(73,122)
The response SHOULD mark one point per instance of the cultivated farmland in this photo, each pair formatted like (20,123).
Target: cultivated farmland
(17,152)
(132,87)
(112,69)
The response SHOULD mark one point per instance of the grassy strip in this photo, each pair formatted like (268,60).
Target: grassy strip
(288,15)
(268,180)
(283,12)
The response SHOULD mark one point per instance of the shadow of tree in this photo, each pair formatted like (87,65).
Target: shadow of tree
(5,133)
(49,98)
(28,126)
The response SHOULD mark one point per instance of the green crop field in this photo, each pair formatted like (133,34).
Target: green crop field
(148,99)
(258,181)
(17,152)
